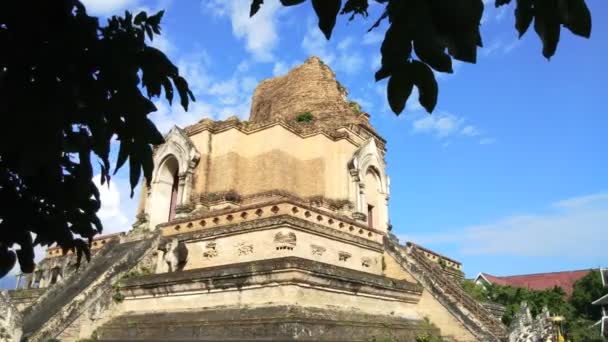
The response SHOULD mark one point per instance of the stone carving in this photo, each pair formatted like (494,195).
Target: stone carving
(285,240)
(210,250)
(344,256)
(317,250)
(244,249)
(175,255)
(524,328)
(366,262)
(10,319)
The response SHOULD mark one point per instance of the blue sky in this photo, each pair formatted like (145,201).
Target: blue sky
(509,174)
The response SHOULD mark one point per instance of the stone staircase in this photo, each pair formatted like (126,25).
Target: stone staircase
(479,320)
(65,303)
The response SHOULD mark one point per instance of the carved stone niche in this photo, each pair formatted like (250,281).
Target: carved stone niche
(210,250)
(175,255)
(344,256)
(366,262)
(244,248)
(285,240)
(317,250)
(359,216)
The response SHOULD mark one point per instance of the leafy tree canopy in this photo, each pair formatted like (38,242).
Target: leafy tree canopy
(425,35)
(577,310)
(68,87)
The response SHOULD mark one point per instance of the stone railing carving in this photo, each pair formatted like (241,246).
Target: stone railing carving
(84,290)
(472,314)
(243,214)
(10,319)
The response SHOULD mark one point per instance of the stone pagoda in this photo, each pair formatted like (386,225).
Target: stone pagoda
(275,228)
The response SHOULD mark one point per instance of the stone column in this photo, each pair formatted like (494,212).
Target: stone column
(18,285)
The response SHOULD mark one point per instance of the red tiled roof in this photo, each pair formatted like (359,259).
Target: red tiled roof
(540,281)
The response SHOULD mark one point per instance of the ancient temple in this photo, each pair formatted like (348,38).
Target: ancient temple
(275,228)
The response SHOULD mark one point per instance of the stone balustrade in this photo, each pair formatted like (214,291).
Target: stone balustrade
(239,215)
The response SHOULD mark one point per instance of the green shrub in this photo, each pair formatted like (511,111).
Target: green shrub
(355,106)
(305,117)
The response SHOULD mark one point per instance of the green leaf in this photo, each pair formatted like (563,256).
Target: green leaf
(399,88)
(327,11)
(547,25)
(355,7)
(184,92)
(147,162)
(524,13)
(152,134)
(134,169)
(424,79)
(155,19)
(575,16)
(396,50)
(123,154)
(149,32)
(379,20)
(140,18)
(463,46)
(430,52)
(7,260)
(255,7)
(291,2)
(382,73)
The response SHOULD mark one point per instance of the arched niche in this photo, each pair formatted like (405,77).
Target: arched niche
(374,197)
(172,178)
(369,186)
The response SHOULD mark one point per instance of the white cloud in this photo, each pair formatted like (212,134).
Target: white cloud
(167,116)
(314,43)
(344,57)
(259,31)
(248,85)
(345,44)
(441,125)
(108,7)
(113,212)
(350,63)
(279,69)
(163,43)
(445,125)
(194,69)
(487,141)
(574,227)
(376,62)
(582,201)
(373,37)
(470,130)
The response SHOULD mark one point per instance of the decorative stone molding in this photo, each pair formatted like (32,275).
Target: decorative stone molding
(369,158)
(285,240)
(354,135)
(177,154)
(366,262)
(210,250)
(344,256)
(359,216)
(244,248)
(315,274)
(317,250)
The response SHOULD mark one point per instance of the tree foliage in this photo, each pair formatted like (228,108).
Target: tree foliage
(425,35)
(577,310)
(68,88)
